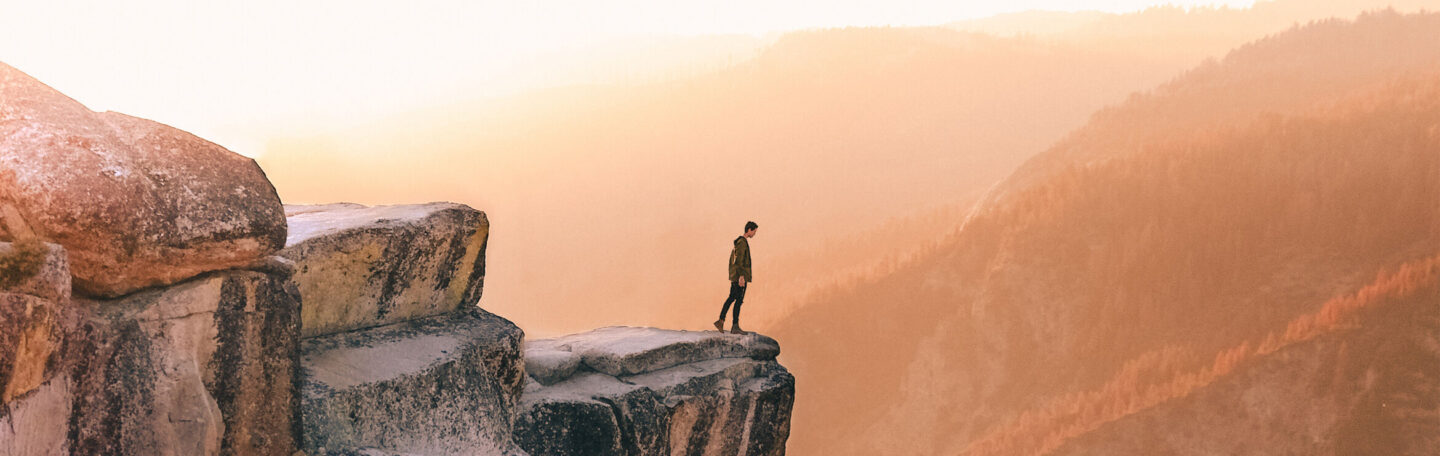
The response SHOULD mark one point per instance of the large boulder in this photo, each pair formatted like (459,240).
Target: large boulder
(204,367)
(361,266)
(136,203)
(441,385)
(655,392)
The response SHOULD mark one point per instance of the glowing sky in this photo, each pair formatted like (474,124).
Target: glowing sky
(236,71)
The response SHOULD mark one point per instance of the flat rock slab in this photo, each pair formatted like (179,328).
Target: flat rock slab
(136,203)
(440,385)
(623,350)
(366,266)
(648,391)
(203,367)
(721,406)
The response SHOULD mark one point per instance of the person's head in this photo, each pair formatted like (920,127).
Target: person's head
(750,228)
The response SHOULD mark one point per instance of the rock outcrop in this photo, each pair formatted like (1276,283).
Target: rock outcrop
(360,267)
(186,336)
(440,385)
(397,357)
(646,391)
(135,203)
(201,367)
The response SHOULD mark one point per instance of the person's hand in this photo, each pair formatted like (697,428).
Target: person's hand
(742,281)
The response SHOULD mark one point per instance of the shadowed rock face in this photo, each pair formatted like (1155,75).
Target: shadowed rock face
(360,267)
(671,393)
(203,367)
(30,335)
(136,203)
(441,385)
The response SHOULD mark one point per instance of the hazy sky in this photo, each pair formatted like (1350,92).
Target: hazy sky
(236,71)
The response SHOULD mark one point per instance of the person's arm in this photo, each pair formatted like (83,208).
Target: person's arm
(735,264)
(744,262)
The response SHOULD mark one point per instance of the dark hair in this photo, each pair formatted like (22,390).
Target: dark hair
(750,226)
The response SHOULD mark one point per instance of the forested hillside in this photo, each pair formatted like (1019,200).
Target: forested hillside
(1189,225)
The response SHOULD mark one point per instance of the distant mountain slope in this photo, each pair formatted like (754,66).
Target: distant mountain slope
(1184,241)
(1358,376)
(825,134)
(1361,376)
(1290,72)
(1193,32)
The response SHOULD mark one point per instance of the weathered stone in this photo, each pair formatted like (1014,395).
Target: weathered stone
(207,366)
(51,279)
(31,330)
(135,203)
(548,364)
(360,267)
(30,335)
(729,403)
(622,350)
(36,425)
(440,385)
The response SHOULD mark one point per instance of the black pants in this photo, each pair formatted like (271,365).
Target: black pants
(737,295)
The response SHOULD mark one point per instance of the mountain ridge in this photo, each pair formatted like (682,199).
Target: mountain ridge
(1201,238)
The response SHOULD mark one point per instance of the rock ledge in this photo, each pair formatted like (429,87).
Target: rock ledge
(634,391)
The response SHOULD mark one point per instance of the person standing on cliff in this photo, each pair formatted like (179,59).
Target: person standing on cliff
(739,277)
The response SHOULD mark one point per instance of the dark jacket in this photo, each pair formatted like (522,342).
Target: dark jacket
(740,260)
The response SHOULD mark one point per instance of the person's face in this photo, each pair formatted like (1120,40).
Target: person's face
(751,233)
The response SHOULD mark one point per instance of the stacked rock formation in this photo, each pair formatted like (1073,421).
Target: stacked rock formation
(396,356)
(157,299)
(181,334)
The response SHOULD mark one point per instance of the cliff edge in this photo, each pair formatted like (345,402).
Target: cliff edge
(149,307)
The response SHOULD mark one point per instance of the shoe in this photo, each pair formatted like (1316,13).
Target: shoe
(720,325)
(736,330)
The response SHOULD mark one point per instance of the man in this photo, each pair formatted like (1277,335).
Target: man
(739,277)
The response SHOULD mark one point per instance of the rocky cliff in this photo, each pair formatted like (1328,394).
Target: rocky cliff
(154,301)
(182,331)
(646,391)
